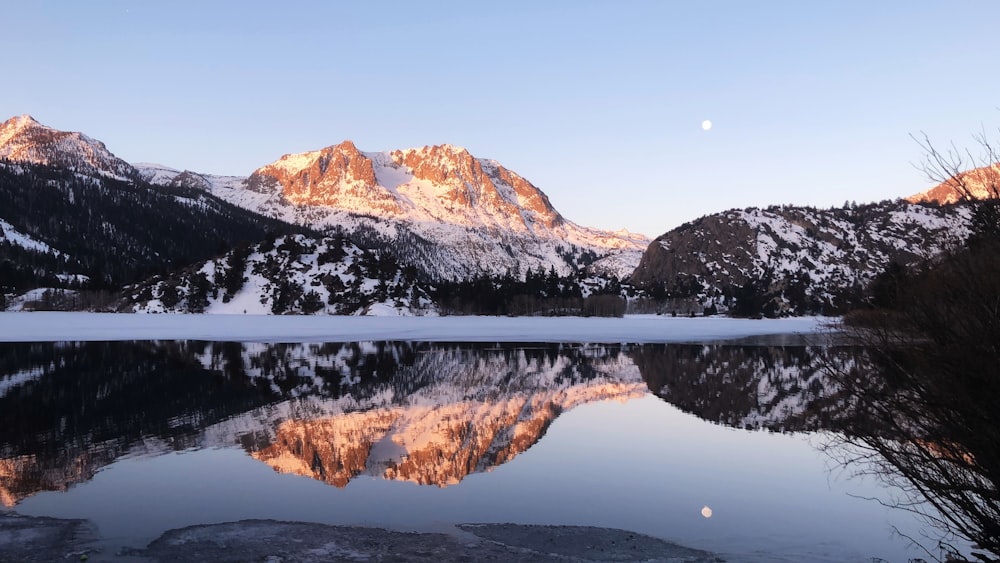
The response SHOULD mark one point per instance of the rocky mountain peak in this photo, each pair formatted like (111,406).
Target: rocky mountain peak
(23,139)
(469,181)
(20,122)
(983,183)
(436,184)
(336,176)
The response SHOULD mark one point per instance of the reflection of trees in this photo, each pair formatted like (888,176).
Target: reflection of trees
(93,392)
(925,411)
(781,388)
(76,407)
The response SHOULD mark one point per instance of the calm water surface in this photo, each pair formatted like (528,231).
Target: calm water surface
(142,437)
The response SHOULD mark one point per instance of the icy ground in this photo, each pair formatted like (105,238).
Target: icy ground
(56,326)
(29,539)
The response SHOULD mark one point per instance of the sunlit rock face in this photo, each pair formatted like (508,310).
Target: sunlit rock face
(442,184)
(336,176)
(22,139)
(460,182)
(440,209)
(981,183)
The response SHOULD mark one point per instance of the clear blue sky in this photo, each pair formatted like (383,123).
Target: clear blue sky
(599,104)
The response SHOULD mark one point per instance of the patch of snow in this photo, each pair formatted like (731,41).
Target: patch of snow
(17,238)
(294,163)
(9,382)
(17,303)
(155,173)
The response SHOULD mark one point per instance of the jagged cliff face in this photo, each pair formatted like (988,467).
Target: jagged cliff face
(981,183)
(22,139)
(448,213)
(339,176)
(458,180)
(443,184)
(806,258)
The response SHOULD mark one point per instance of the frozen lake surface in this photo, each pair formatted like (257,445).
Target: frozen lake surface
(54,326)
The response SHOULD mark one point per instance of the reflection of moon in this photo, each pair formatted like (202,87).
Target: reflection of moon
(706,125)
(706,512)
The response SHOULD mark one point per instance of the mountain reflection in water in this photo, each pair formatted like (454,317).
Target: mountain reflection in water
(420,412)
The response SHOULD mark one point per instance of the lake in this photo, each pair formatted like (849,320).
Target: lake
(715,446)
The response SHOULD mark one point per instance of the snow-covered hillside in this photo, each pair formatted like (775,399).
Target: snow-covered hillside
(290,274)
(9,234)
(166,176)
(796,259)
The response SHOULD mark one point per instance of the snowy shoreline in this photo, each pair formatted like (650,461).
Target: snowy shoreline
(60,326)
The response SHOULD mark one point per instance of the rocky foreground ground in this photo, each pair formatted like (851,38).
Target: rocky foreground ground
(28,539)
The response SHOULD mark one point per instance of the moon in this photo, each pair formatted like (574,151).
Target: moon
(706,511)
(706,125)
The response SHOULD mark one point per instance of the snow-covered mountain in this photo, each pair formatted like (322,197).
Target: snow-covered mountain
(22,139)
(795,260)
(980,183)
(449,213)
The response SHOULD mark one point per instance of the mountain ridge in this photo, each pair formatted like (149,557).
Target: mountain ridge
(452,215)
(24,139)
(795,260)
